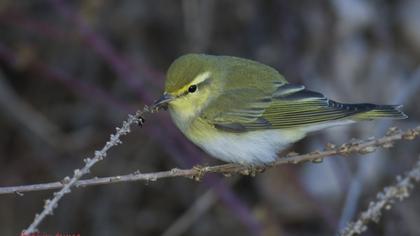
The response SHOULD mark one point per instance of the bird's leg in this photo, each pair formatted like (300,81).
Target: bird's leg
(253,170)
(200,172)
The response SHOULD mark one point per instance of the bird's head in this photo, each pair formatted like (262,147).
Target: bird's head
(190,84)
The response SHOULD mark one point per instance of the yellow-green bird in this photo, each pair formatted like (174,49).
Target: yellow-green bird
(242,111)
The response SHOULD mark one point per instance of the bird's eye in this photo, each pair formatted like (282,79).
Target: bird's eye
(192,88)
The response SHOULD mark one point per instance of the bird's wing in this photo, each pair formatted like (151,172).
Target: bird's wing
(247,92)
(288,106)
(237,108)
(294,106)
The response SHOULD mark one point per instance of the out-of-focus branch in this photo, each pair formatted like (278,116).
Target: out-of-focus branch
(79,87)
(196,173)
(385,199)
(404,96)
(31,119)
(123,67)
(179,149)
(99,155)
(197,209)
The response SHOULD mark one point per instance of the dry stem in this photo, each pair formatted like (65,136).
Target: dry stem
(67,183)
(357,146)
(385,199)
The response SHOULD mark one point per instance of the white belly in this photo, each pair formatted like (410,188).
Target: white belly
(253,148)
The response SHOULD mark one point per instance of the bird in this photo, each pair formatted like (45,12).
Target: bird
(242,111)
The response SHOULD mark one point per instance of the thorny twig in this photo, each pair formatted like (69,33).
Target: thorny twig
(385,199)
(67,183)
(196,173)
(234,204)
(363,171)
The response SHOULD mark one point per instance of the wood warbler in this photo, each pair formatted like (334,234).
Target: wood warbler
(242,111)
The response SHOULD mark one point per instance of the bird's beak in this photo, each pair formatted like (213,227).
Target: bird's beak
(163,101)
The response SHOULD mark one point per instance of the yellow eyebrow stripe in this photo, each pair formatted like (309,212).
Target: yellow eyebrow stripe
(201,77)
(198,79)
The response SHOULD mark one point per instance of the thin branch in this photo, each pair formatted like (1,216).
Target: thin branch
(196,173)
(180,149)
(385,199)
(403,96)
(68,182)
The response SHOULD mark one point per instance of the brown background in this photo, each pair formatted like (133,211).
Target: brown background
(70,72)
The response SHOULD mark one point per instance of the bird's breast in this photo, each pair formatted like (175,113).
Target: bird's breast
(183,115)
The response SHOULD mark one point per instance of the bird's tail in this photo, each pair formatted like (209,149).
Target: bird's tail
(372,112)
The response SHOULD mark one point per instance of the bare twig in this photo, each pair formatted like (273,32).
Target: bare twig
(67,183)
(180,150)
(196,173)
(404,96)
(385,199)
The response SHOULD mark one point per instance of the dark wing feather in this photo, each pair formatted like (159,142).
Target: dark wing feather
(304,107)
(289,106)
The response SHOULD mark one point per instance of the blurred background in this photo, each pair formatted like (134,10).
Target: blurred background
(71,71)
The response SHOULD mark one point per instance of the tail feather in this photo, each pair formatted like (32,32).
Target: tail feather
(372,112)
